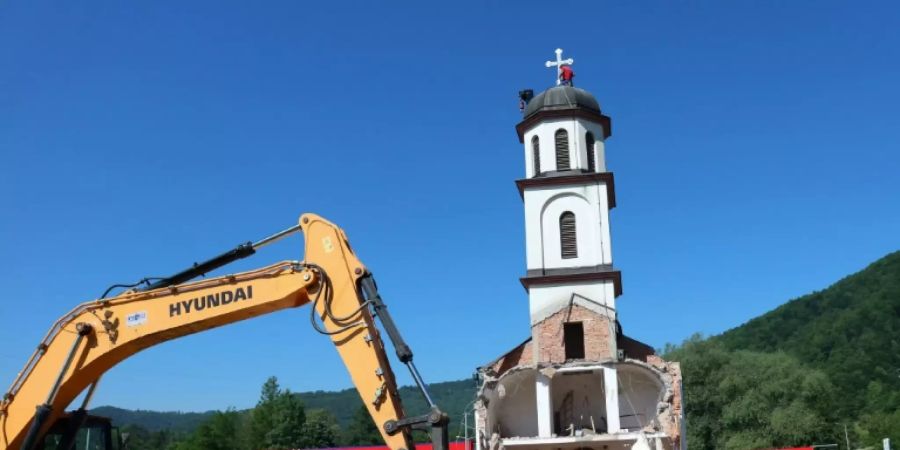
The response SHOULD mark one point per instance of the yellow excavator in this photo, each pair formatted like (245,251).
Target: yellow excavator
(95,336)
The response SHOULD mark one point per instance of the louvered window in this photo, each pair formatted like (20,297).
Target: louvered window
(536,154)
(568,241)
(562,150)
(589,140)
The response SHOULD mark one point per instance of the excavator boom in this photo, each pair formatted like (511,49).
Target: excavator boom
(97,335)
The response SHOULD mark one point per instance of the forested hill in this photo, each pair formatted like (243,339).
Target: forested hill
(851,331)
(452,396)
(154,420)
(802,372)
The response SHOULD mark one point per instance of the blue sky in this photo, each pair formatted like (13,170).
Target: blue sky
(754,146)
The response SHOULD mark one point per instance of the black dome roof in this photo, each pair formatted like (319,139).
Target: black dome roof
(562,97)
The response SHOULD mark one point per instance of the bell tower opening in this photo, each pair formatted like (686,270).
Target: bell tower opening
(562,149)
(589,146)
(573,338)
(568,236)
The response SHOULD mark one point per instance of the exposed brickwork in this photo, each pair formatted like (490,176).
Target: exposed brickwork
(548,334)
(674,429)
(521,355)
(671,419)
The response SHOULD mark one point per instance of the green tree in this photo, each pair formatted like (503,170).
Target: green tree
(288,425)
(850,331)
(701,362)
(262,417)
(362,429)
(220,432)
(278,419)
(745,400)
(139,438)
(874,427)
(321,429)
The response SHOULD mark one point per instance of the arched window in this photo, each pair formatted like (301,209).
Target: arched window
(567,240)
(589,140)
(536,154)
(562,150)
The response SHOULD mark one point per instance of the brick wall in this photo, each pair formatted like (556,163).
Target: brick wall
(598,329)
(671,423)
(519,356)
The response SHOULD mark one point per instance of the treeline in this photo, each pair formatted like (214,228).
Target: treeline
(279,421)
(452,396)
(801,373)
(738,400)
(154,420)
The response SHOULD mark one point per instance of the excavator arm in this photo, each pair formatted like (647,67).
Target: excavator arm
(97,335)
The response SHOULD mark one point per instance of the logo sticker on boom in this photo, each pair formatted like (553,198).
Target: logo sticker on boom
(138,318)
(216,300)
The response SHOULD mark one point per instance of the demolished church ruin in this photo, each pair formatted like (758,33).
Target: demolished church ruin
(577,382)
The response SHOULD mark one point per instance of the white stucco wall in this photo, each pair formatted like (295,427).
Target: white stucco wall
(544,402)
(543,207)
(545,300)
(640,390)
(513,406)
(577,129)
(600,152)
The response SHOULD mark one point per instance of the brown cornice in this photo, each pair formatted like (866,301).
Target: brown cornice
(578,178)
(575,276)
(573,113)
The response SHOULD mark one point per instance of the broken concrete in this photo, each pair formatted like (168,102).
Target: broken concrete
(649,399)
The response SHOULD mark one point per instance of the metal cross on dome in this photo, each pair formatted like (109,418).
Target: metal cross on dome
(559,63)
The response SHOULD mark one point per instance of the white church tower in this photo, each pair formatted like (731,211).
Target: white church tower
(577,381)
(567,194)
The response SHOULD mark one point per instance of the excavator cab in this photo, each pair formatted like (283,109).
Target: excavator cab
(95,433)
